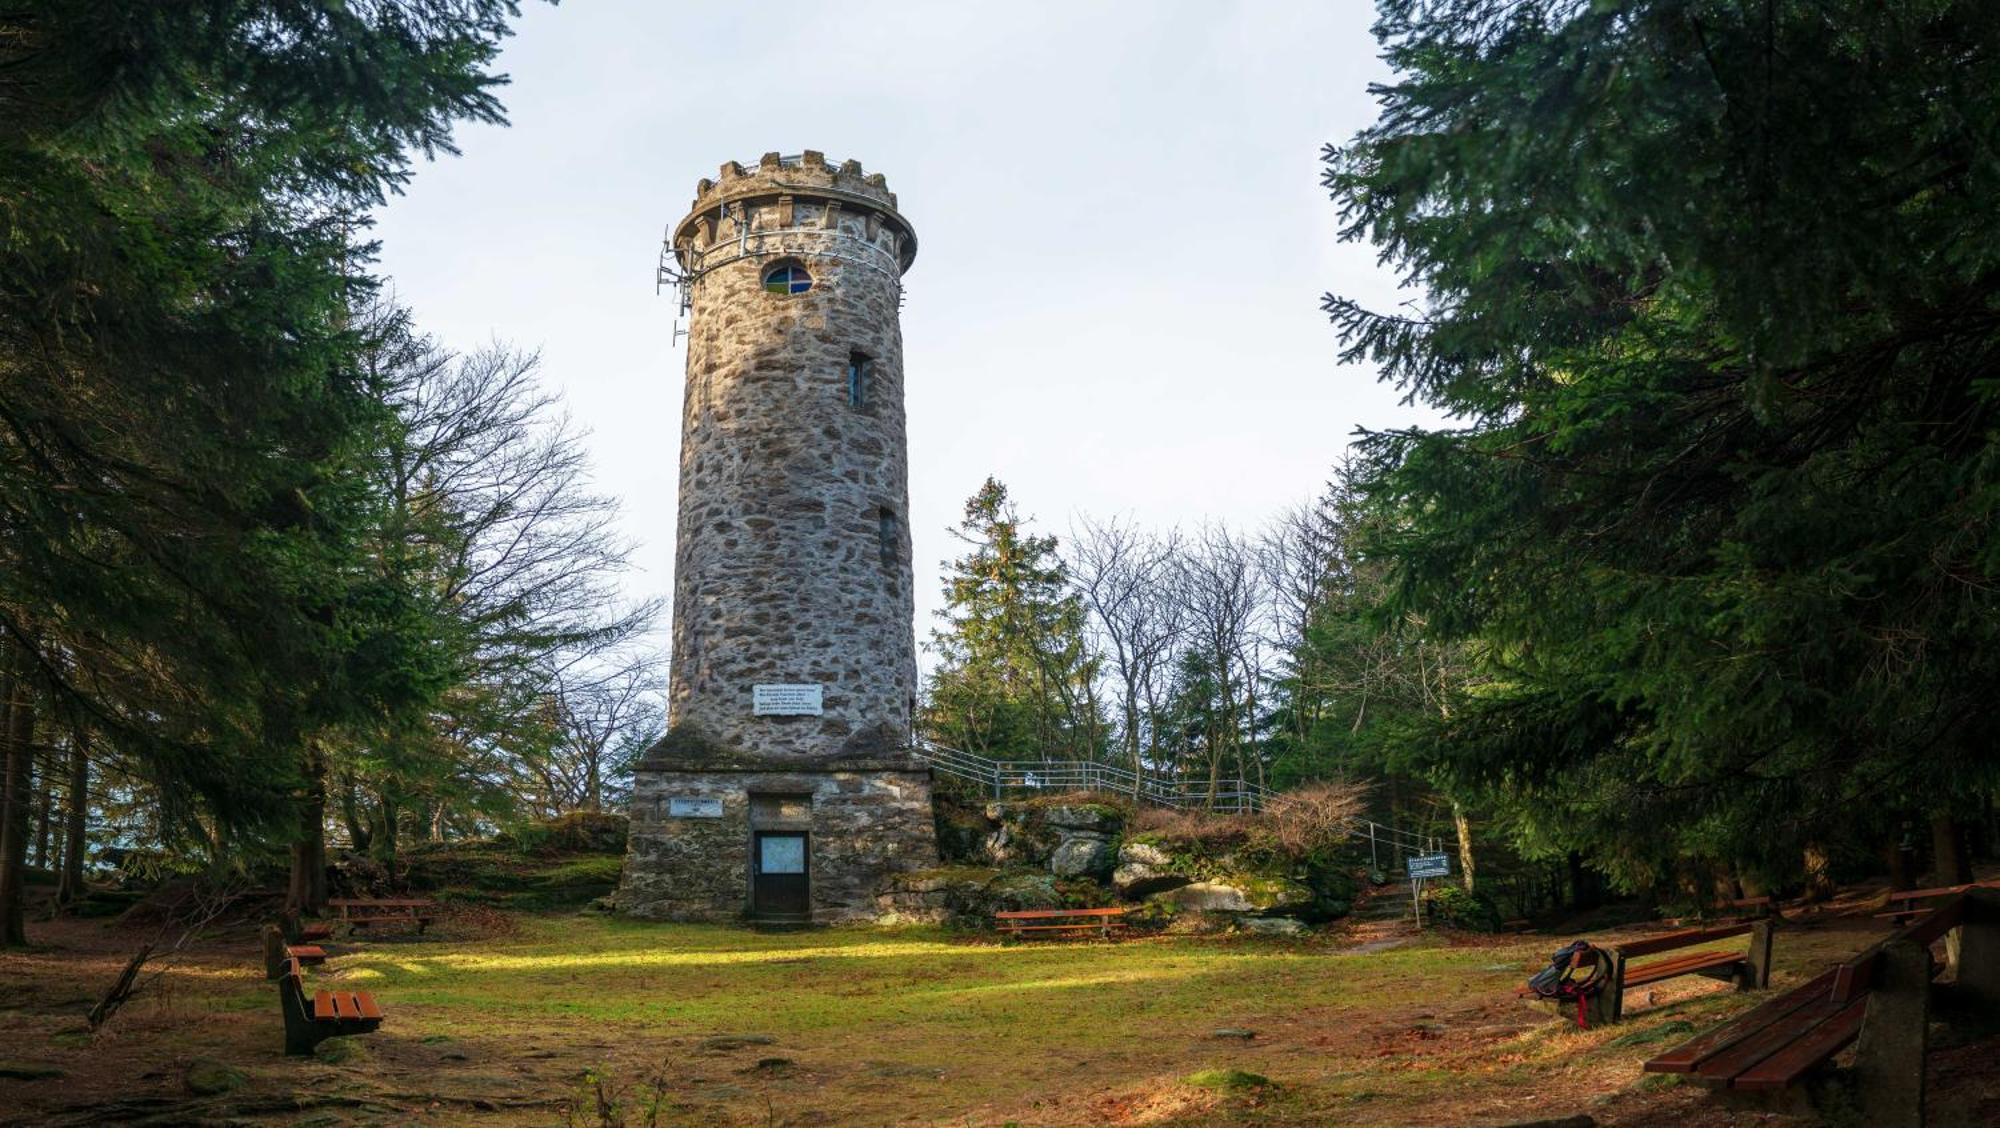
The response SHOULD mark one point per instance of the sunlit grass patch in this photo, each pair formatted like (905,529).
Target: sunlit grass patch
(881,1025)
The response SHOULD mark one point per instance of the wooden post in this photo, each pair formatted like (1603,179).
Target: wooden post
(1760,955)
(1978,949)
(1889,1057)
(274,951)
(1608,1005)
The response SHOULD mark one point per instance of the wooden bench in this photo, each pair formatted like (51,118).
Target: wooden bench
(1751,969)
(1880,997)
(298,932)
(327,1014)
(1054,923)
(276,952)
(1903,902)
(357,913)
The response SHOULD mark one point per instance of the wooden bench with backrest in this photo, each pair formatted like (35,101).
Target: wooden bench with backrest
(298,932)
(1903,903)
(276,952)
(360,913)
(1057,923)
(326,1014)
(1748,970)
(1880,997)
(1743,908)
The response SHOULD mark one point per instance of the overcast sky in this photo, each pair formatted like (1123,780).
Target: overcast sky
(1123,240)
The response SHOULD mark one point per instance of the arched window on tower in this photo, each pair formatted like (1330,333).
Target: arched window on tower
(787,278)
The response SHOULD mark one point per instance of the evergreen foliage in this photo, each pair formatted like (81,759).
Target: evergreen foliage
(1014,680)
(185,426)
(1713,297)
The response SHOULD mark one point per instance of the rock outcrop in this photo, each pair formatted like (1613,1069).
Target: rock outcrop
(1059,852)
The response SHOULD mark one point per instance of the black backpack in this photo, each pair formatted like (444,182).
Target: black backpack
(1558,981)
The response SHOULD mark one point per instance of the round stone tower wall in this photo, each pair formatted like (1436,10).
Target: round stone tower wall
(793,558)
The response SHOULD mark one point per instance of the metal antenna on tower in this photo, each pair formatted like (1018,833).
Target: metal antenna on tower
(667,272)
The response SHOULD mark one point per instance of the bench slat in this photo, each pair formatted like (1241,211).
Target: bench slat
(1940,891)
(1815,1046)
(1668,969)
(1686,1056)
(364,1005)
(323,1007)
(1727,1065)
(1647,946)
(1038,914)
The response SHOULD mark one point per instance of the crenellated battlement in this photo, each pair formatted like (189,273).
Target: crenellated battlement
(802,171)
(779,184)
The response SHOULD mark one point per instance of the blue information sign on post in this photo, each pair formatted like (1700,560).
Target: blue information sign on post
(1430,865)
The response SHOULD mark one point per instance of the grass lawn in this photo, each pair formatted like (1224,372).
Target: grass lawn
(554,1017)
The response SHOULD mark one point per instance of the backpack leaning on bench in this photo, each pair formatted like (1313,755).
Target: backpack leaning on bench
(1558,983)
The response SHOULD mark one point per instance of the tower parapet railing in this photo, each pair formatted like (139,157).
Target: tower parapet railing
(1002,778)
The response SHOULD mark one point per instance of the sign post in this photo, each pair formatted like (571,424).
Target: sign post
(1421,867)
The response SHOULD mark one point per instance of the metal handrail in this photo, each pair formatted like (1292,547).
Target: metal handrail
(1225,796)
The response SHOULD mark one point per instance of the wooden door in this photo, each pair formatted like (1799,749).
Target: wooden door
(781,884)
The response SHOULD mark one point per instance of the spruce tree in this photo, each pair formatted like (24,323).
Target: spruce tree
(1014,680)
(1712,296)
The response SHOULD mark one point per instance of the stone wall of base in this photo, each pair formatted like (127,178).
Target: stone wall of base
(866,826)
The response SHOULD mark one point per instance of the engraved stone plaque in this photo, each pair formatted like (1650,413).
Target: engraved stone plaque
(686,808)
(785,700)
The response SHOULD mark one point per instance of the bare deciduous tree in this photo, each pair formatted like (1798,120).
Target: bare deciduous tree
(1219,583)
(1125,575)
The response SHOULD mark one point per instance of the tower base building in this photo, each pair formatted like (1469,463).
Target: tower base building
(786,788)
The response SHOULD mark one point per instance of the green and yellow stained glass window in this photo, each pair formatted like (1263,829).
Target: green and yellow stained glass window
(790,278)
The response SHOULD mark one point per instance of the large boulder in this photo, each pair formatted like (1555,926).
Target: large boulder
(1023,890)
(1259,896)
(1083,857)
(1089,818)
(936,895)
(1144,869)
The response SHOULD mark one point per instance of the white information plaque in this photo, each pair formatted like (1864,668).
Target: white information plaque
(785,700)
(694,808)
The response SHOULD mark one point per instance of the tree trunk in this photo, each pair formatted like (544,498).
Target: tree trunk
(76,812)
(1464,826)
(307,891)
(1582,890)
(358,834)
(1819,873)
(385,831)
(44,797)
(14,813)
(1902,875)
(1949,861)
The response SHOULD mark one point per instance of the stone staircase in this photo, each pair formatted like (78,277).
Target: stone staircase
(1386,903)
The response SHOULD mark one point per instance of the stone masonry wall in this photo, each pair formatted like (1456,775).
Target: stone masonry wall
(793,558)
(866,825)
(793,554)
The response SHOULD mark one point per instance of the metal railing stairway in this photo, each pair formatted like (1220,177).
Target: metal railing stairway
(1000,778)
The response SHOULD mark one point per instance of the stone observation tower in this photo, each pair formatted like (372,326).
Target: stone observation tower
(785,788)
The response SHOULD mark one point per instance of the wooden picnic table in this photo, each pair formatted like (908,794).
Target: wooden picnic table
(358,912)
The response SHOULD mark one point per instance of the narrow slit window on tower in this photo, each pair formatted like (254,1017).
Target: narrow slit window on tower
(860,370)
(787,278)
(885,527)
